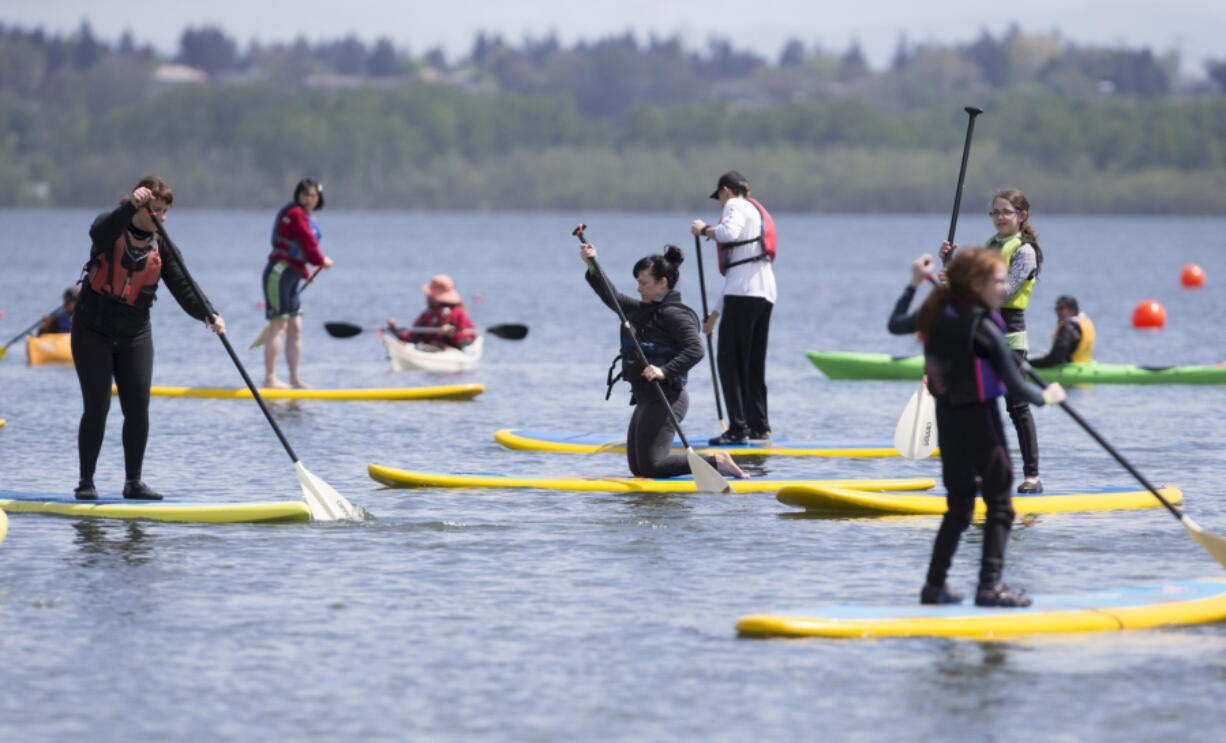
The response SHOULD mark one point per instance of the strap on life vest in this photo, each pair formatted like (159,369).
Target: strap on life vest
(135,275)
(656,353)
(766,237)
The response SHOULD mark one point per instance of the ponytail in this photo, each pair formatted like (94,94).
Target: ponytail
(662,266)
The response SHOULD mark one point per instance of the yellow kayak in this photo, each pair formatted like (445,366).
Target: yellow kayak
(440,392)
(408,479)
(49,348)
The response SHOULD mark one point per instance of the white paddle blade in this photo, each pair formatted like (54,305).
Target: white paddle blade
(706,478)
(325,503)
(4,525)
(915,435)
(1212,543)
(259,341)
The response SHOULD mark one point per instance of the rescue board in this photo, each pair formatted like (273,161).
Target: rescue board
(190,512)
(591,443)
(440,392)
(409,479)
(841,501)
(1137,607)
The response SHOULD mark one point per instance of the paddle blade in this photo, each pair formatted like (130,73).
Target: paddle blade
(1212,543)
(915,435)
(259,341)
(509,331)
(342,329)
(325,503)
(706,478)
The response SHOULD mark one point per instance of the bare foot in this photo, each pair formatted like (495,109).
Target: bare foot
(726,466)
(301,385)
(272,383)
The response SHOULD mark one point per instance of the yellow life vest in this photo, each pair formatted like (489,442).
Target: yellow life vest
(1007,249)
(1085,347)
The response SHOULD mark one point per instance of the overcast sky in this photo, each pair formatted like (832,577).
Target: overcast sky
(1192,27)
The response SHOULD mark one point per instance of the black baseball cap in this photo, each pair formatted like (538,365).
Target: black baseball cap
(731,178)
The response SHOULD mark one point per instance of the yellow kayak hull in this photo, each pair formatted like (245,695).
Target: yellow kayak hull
(49,348)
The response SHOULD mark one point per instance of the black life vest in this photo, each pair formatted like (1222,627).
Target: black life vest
(658,354)
(128,273)
(956,373)
(766,237)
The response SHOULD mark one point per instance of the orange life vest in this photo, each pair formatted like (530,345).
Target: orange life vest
(127,273)
(767,238)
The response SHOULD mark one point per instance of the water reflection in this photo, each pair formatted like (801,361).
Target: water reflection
(130,542)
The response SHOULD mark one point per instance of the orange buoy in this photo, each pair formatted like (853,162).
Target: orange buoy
(1149,314)
(1193,276)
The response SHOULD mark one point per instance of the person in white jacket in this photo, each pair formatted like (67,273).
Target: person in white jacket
(746,238)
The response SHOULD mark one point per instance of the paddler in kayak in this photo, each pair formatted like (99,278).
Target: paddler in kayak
(111,335)
(60,321)
(1018,245)
(669,333)
(969,365)
(1073,341)
(295,246)
(445,311)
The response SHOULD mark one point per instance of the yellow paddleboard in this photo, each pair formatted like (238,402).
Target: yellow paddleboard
(407,479)
(594,443)
(191,512)
(842,501)
(1138,607)
(441,392)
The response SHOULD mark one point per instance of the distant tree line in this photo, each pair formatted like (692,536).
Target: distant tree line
(510,127)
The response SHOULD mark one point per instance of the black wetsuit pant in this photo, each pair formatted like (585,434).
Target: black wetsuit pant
(649,439)
(1023,421)
(743,331)
(129,360)
(973,446)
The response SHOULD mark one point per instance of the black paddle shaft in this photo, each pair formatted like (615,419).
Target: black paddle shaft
(973,111)
(702,285)
(230,350)
(1110,449)
(638,350)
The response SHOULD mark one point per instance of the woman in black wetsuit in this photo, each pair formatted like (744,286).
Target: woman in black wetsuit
(969,365)
(668,331)
(111,335)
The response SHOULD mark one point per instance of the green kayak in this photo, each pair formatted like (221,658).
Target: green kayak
(852,365)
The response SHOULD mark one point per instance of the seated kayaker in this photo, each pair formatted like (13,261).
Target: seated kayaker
(444,311)
(1073,340)
(60,321)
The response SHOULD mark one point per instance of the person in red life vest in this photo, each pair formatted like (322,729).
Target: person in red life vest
(969,365)
(746,238)
(445,311)
(111,336)
(60,321)
(295,246)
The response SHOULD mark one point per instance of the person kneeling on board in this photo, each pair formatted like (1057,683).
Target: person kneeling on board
(445,311)
(668,332)
(1073,341)
(969,366)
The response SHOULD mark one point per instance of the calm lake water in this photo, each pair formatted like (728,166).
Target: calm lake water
(532,615)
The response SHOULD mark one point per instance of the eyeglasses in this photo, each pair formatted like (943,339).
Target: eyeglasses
(1003,213)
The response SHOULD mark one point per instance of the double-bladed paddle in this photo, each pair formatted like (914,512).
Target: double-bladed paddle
(706,478)
(324,502)
(506,331)
(26,332)
(1213,544)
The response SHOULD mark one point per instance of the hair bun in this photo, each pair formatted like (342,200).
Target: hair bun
(673,255)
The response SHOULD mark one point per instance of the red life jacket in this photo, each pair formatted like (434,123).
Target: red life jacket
(767,238)
(125,275)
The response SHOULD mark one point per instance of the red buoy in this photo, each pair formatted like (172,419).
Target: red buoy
(1149,314)
(1193,276)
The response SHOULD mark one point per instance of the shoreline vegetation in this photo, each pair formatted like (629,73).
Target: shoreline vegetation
(614,125)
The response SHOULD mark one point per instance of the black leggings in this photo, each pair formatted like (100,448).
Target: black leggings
(973,446)
(1023,421)
(743,331)
(649,439)
(129,361)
